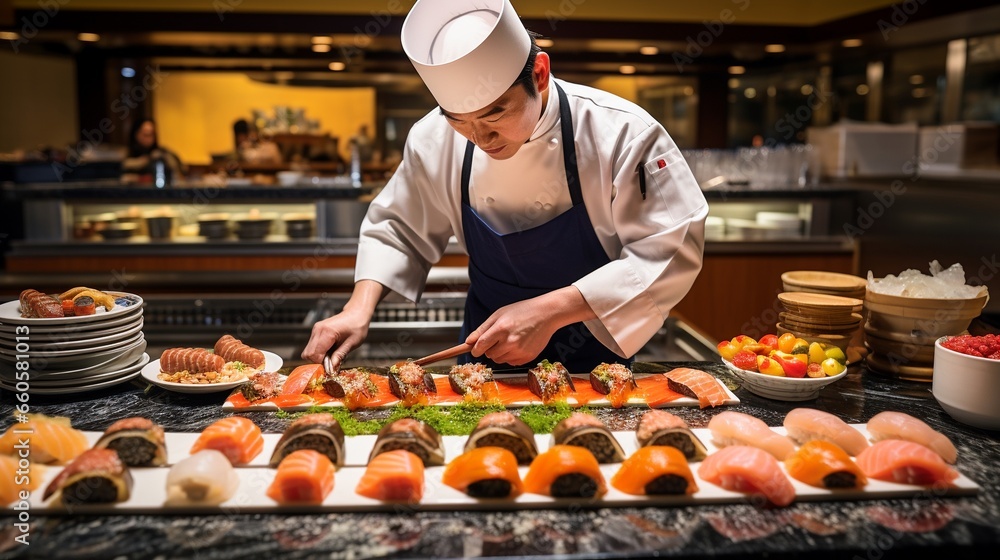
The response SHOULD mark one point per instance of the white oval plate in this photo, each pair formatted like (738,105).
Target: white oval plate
(782,388)
(54,381)
(37,344)
(76,389)
(75,329)
(10,312)
(73,354)
(120,354)
(272,362)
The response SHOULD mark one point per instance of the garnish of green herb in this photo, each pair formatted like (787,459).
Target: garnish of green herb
(542,418)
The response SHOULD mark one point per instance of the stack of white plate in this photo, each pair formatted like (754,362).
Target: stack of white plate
(788,224)
(72,354)
(715,227)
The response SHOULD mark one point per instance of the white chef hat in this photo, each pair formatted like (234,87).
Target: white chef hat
(467,52)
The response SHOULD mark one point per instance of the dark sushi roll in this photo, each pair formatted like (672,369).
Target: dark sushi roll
(320,432)
(614,380)
(550,381)
(503,429)
(262,385)
(470,380)
(411,435)
(659,427)
(354,387)
(84,305)
(586,430)
(96,476)
(138,441)
(410,383)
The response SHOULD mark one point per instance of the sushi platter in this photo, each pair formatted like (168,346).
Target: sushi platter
(149,489)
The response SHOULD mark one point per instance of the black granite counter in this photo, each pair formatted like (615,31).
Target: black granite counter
(950,527)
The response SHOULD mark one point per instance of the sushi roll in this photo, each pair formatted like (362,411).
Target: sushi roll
(304,477)
(550,381)
(503,429)
(741,468)
(96,476)
(206,477)
(614,380)
(586,430)
(238,438)
(84,305)
(320,432)
(354,387)
(410,383)
(655,471)
(139,442)
(396,476)
(470,380)
(659,427)
(565,471)
(736,428)
(906,462)
(484,472)
(825,465)
(897,425)
(67,308)
(412,435)
(261,386)
(808,424)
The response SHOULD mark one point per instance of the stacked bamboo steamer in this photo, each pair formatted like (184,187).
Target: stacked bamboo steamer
(823,306)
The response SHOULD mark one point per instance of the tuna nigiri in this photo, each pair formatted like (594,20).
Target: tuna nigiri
(565,471)
(736,428)
(304,477)
(808,424)
(396,476)
(17,478)
(824,464)
(484,472)
(896,460)
(236,437)
(696,384)
(742,468)
(655,470)
(47,439)
(206,477)
(897,425)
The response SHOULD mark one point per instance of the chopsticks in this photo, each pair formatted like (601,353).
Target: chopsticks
(436,357)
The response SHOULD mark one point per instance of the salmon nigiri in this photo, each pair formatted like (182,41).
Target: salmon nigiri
(897,425)
(396,475)
(15,482)
(484,472)
(807,424)
(51,439)
(565,471)
(304,477)
(824,464)
(238,438)
(655,470)
(742,468)
(896,460)
(736,428)
(697,384)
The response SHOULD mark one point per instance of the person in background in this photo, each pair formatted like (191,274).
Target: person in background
(250,148)
(144,151)
(364,143)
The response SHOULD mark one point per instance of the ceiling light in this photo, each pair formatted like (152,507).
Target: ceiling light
(322,40)
(916,79)
(8,36)
(862,89)
(321,48)
(627,69)
(734,83)
(89,37)
(851,43)
(649,50)
(337,66)
(750,93)
(737,70)
(806,89)
(775,48)
(544,43)
(688,90)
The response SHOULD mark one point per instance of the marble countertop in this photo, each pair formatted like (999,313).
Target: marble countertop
(872,530)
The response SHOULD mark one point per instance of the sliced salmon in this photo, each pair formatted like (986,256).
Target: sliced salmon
(484,472)
(565,471)
(304,477)
(807,424)
(300,378)
(697,384)
(15,482)
(746,469)
(906,462)
(393,476)
(656,390)
(898,425)
(825,465)
(653,470)
(48,439)
(238,438)
(736,428)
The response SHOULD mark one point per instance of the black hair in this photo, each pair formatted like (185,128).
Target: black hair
(136,150)
(526,77)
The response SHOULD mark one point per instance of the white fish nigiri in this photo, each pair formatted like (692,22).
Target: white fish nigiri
(806,424)
(207,477)
(897,425)
(736,428)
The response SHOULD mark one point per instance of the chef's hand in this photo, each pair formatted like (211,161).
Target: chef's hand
(516,333)
(346,330)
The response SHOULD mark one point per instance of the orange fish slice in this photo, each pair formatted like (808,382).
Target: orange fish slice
(299,379)
(51,439)
(236,437)
(304,477)
(906,462)
(565,471)
(742,468)
(14,483)
(396,476)
(697,384)
(484,472)
(825,465)
(655,470)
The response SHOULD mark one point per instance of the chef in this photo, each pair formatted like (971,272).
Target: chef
(583,224)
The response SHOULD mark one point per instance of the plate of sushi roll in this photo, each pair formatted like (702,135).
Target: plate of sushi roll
(230,364)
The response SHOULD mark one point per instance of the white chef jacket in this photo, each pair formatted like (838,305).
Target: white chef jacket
(655,244)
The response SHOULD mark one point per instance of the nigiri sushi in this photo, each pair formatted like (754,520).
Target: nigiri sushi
(565,471)
(139,442)
(238,438)
(413,435)
(907,462)
(206,477)
(825,465)
(655,470)
(319,432)
(96,476)
(354,387)
(52,439)
(484,472)
(503,429)
(586,430)
(410,383)
(304,477)
(742,468)
(396,476)
(659,427)
(808,424)
(897,425)
(736,428)
(697,384)
(18,475)
(614,380)
(550,381)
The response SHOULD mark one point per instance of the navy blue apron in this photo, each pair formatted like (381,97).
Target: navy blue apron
(508,268)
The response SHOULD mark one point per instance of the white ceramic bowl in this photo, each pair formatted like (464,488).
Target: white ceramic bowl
(967,387)
(782,388)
